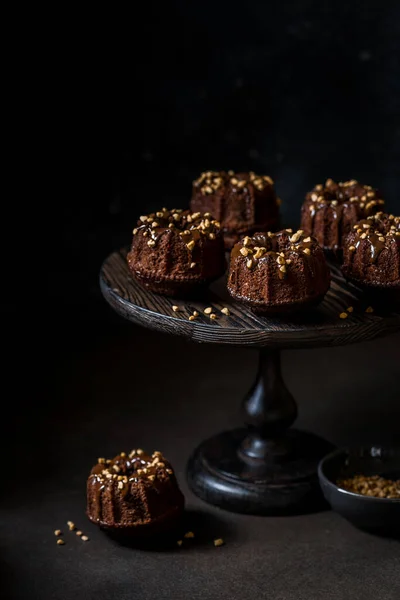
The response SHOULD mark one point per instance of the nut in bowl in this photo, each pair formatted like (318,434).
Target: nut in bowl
(363,485)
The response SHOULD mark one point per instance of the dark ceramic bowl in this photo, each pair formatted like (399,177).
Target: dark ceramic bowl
(378,515)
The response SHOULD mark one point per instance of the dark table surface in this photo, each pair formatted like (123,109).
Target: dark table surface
(112,386)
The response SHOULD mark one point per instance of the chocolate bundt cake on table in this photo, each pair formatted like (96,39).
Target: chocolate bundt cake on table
(242,202)
(371,253)
(135,493)
(176,252)
(278,272)
(330,211)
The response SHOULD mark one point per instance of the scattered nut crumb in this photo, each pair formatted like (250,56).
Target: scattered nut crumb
(195,313)
(225,311)
(192,318)
(219,542)
(85,538)
(208,310)
(57,532)
(179,542)
(349,309)
(71,525)
(343,315)
(60,542)
(192,265)
(189,534)
(175,308)
(369,309)
(213,316)
(79,533)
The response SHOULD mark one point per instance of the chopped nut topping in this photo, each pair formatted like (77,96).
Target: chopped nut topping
(363,236)
(307,251)
(116,468)
(246,240)
(244,251)
(151,477)
(343,315)
(58,532)
(169,471)
(139,451)
(154,224)
(307,239)
(352,248)
(366,225)
(190,245)
(60,542)
(192,318)
(135,231)
(175,308)
(143,219)
(151,243)
(208,310)
(161,464)
(120,485)
(192,265)
(249,263)
(219,542)
(381,239)
(211,236)
(213,316)
(225,311)
(123,455)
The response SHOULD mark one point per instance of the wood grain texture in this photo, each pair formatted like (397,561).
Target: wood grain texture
(320,326)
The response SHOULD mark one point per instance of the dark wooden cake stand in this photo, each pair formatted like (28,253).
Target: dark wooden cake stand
(265,467)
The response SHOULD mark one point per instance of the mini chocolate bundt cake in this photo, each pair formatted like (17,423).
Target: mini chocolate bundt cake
(330,211)
(371,253)
(175,252)
(135,493)
(278,272)
(242,202)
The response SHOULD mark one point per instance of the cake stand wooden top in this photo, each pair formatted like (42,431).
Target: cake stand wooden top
(320,326)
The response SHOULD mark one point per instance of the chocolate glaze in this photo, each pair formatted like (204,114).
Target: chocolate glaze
(330,210)
(243,202)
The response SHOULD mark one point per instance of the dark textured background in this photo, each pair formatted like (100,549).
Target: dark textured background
(130,110)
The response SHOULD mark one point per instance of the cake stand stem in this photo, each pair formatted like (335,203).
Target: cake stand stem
(269,410)
(266,467)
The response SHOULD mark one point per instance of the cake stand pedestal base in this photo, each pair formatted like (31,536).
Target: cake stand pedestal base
(266,468)
(218,474)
